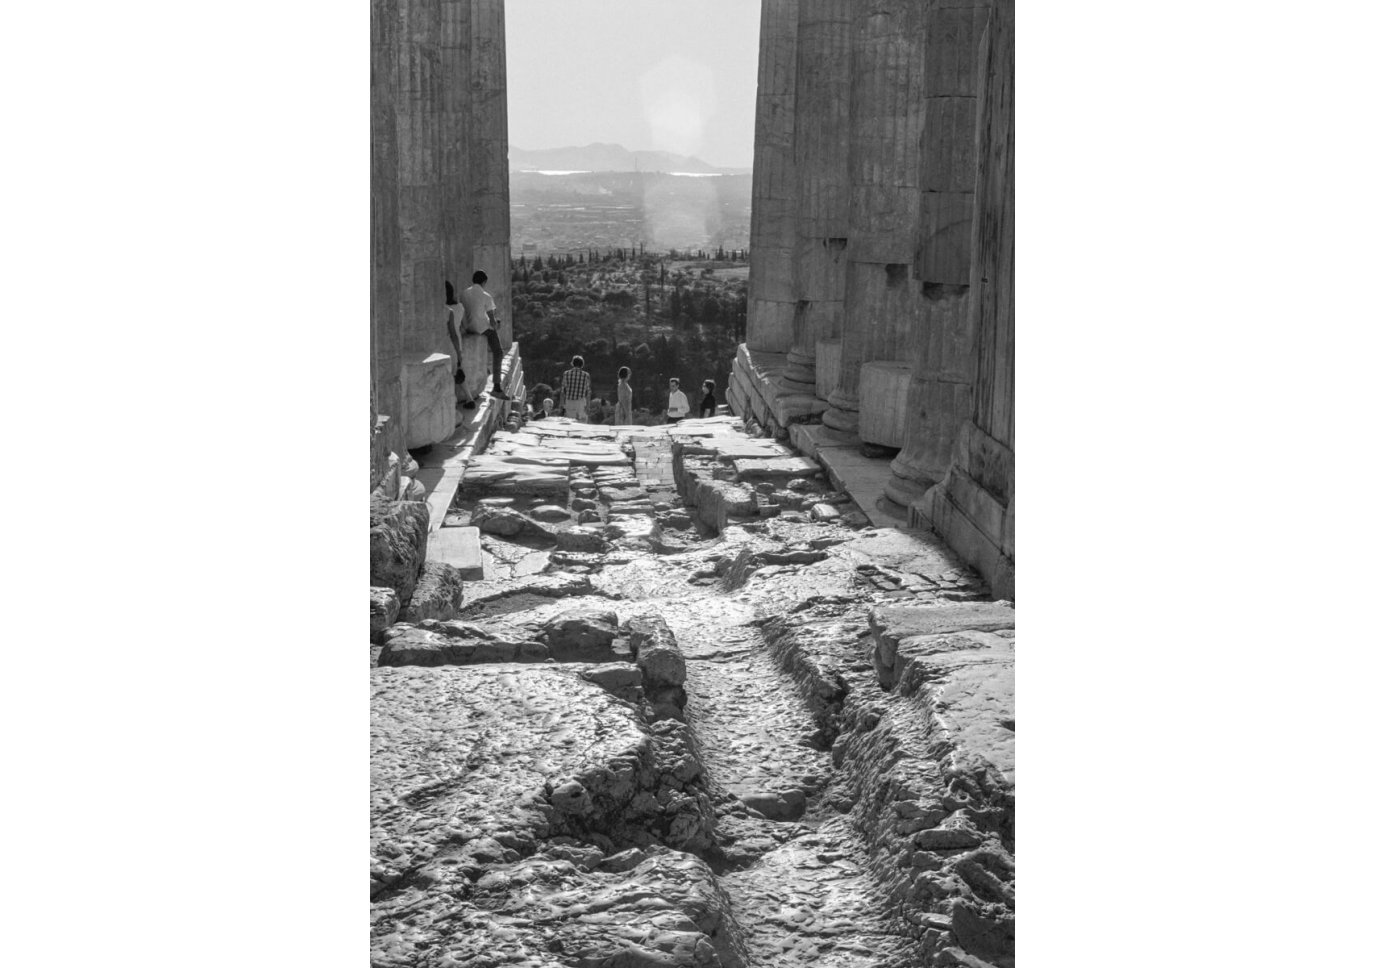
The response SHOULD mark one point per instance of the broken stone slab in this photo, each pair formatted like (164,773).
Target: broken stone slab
(584,634)
(384,611)
(411,645)
(459,547)
(578,559)
(824,513)
(917,552)
(508,523)
(629,529)
(616,495)
(675,519)
(582,539)
(776,469)
(437,595)
(536,586)
(549,512)
(717,502)
(656,651)
(893,624)
(428,399)
(621,679)
(488,474)
(777,805)
(399,540)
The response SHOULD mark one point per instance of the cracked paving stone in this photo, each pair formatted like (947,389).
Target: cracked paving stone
(841,795)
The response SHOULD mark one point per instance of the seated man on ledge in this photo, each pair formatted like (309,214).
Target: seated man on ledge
(479,317)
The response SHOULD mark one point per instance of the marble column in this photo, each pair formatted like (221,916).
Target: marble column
(771,299)
(457,224)
(489,150)
(973,507)
(419,129)
(881,299)
(822,99)
(386,349)
(940,399)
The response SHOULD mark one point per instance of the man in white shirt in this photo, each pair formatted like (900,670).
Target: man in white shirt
(678,404)
(479,317)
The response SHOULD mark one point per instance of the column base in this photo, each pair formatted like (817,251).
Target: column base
(800,372)
(842,414)
(905,491)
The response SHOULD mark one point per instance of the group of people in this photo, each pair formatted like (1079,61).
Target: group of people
(575,394)
(475,312)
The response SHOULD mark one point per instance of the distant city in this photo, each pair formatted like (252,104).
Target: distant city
(605,196)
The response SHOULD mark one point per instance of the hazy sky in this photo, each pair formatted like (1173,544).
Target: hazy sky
(671,75)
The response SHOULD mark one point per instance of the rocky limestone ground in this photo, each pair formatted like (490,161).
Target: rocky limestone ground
(696,713)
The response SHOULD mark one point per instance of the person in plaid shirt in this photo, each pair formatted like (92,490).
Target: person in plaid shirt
(574,390)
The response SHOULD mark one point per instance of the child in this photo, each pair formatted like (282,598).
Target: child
(708,408)
(623,397)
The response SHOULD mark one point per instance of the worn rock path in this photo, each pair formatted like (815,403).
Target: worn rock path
(716,793)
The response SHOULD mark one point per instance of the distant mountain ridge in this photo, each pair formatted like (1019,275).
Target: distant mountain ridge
(610,157)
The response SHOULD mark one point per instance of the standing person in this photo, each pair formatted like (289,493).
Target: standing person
(459,379)
(574,390)
(708,408)
(623,397)
(479,317)
(678,403)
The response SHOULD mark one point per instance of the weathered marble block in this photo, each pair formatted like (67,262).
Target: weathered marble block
(884,391)
(429,399)
(828,364)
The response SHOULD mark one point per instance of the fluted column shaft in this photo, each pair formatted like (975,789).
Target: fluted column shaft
(489,149)
(771,300)
(386,346)
(942,353)
(881,301)
(420,115)
(822,102)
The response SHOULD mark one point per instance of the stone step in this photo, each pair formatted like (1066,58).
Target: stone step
(775,469)
(459,547)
